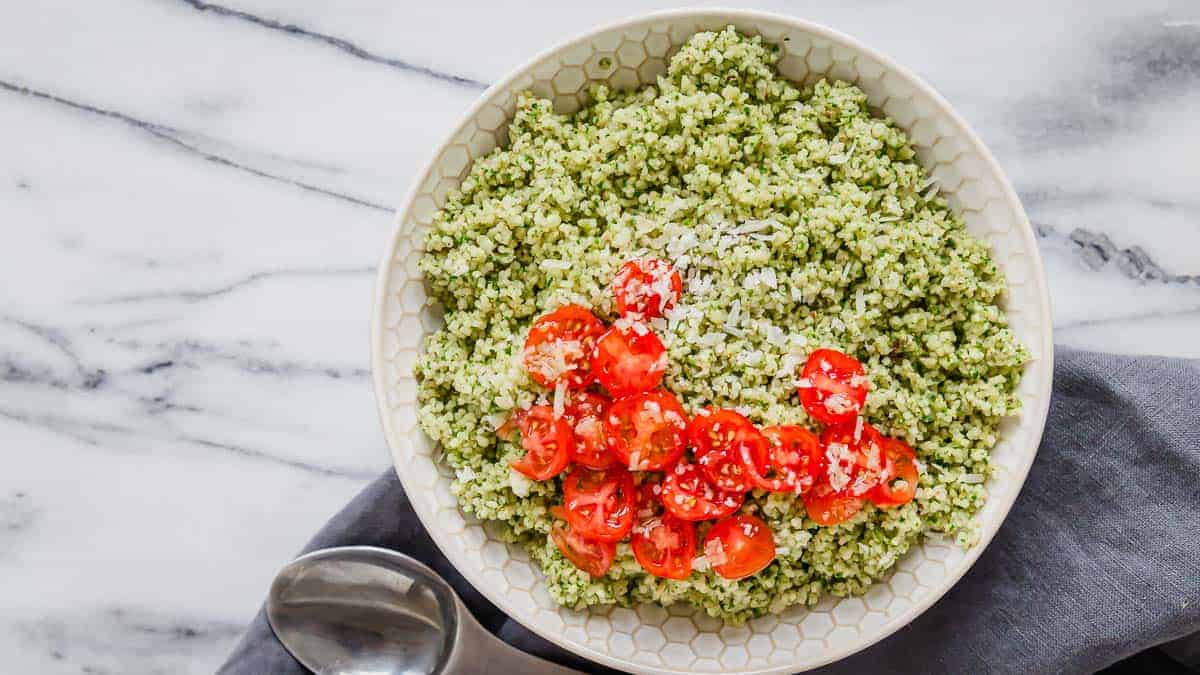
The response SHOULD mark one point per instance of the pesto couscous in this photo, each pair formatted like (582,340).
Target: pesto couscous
(797,221)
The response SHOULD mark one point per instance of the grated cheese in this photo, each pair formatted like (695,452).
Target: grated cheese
(714,552)
(560,398)
(549,359)
(840,459)
(839,404)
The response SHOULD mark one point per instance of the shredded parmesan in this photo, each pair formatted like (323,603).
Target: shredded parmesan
(840,459)
(839,404)
(560,398)
(714,552)
(549,359)
(587,427)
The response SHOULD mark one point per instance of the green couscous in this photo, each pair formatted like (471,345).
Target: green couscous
(798,220)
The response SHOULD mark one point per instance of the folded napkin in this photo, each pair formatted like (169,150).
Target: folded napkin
(1099,558)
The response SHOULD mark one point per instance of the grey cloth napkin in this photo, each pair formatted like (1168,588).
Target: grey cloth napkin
(1099,558)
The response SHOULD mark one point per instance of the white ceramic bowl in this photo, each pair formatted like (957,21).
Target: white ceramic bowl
(651,638)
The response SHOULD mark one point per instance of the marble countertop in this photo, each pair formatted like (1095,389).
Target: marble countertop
(194,196)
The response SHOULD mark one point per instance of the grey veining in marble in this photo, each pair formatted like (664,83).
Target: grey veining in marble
(194,196)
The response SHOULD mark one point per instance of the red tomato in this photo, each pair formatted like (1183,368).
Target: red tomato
(585,415)
(724,442)
(688,494)
(600,504)
(647,287)
(593,557)
(648,431)
(899,486)
(665,546)
(826,507)
(629,359)
(560,345)
(740,546)
(833,386)
(792,462)
(548,443)
(855,456)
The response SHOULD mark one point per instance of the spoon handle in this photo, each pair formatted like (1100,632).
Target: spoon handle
(478,652)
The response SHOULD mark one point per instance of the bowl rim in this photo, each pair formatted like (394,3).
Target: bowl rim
(1037,278)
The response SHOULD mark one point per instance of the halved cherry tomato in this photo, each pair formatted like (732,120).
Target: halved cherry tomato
(648,431)
(665,546)
(855,456)
(833,386)
(792,462)
(647,287)
(600,504)
(723,442)
(629,358)
(826,507)
(585,414)
(688,494)
(593,557)
(560,346)
(899,486)
(547,441)
(740,546)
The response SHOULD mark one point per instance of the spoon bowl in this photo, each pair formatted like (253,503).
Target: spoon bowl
(361,609)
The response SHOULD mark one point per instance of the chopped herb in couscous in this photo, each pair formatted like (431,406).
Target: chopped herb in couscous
(797,221)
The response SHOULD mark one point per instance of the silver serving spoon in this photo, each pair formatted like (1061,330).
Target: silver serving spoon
(362,610)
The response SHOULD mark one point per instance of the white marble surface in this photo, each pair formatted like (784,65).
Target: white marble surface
(193,198)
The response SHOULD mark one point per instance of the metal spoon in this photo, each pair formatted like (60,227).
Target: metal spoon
(361,609)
